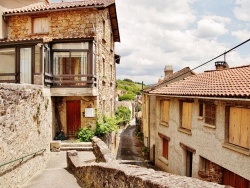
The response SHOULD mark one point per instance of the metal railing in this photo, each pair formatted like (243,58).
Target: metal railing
(21,158)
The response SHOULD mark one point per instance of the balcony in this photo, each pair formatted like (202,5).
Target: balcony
(71,84)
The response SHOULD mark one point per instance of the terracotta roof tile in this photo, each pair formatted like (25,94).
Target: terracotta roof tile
(170,78)
(233,82)
(56,6)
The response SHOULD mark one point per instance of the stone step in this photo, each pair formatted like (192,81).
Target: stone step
(77,148)
(77,144)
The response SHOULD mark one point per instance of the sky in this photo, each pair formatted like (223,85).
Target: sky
(181,33)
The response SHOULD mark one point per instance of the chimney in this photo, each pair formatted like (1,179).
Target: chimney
(168,70)
(220,65)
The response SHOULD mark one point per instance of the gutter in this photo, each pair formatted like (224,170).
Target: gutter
(196,97)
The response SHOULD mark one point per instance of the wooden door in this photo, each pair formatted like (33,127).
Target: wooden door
(73,117)
(234,180)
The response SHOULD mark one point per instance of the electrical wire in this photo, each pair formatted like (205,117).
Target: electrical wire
(209,60)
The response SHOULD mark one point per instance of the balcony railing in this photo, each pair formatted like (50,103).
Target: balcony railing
(70,80)
(65,80)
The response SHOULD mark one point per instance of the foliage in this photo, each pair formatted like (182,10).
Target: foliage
(127,97)
(85,134)
(105,125)
(132,88)
(123,114)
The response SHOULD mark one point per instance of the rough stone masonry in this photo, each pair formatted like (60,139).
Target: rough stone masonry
(109,173)
(25,128)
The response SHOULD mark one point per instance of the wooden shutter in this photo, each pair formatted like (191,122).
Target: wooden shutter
(186,115)
(245,128)
(165,148)
(239,127)
(164,111)
(40,25)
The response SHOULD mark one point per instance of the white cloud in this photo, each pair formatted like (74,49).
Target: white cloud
(211,26)
(242,10)
(158,33)
(241,35)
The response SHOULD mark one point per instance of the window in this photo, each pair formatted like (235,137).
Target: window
(40,25)
(7,64)
(25,65)
(239,126)
(186,115)
(210,113)
(164,113)
(165,142)
(47,67)
(70,63)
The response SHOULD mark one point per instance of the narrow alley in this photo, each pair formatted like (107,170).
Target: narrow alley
(130,148)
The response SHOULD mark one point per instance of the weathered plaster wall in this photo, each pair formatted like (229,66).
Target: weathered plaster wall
(109,173)
(25,127)
(207,141)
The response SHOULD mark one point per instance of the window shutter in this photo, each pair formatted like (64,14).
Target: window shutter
(239,127)
(187,115)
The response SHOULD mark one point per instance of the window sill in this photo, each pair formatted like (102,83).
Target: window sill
(164,160)
(210,126)
(164,124)
(200,118)
(237,149)
(186,131)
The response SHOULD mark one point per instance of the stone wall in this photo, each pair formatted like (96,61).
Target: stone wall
(25,128)
(83,23)
(109,173)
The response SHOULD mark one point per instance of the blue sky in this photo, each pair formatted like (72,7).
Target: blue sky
(180,33)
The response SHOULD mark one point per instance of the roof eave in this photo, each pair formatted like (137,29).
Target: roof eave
(224,98)
(114,22)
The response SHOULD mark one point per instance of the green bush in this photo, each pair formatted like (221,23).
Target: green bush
(123,114)
(105,125)
(85,134)
(127,97)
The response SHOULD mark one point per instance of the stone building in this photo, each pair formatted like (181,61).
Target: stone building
(201,126)
(67,47)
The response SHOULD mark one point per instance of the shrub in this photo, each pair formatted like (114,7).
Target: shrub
(127,97)
(105,125)
(85,134)
(123,114)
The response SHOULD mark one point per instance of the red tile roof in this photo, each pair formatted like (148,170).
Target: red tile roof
(171,78)
(233,82)
(57,6)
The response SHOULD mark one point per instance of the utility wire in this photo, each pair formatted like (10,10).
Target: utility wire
(209,60)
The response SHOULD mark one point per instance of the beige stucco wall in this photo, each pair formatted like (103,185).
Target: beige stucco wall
(207,141)
(25,128)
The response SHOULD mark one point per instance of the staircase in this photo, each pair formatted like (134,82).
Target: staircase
(79,146)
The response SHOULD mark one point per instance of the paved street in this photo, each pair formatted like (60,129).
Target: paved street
(55,175)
